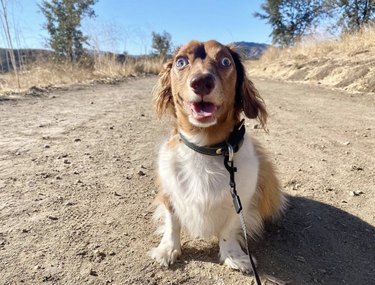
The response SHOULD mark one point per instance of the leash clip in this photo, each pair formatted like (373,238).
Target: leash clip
(230,152)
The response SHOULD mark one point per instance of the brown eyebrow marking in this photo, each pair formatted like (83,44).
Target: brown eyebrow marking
(200,52)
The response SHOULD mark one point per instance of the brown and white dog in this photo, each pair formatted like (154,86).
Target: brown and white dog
(205,89)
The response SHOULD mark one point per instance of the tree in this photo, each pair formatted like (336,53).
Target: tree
(5,23)
(161,43)
(63,25)
(352,14)
(290,20)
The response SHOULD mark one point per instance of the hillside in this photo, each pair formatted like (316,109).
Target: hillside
(346,63)
(251,50)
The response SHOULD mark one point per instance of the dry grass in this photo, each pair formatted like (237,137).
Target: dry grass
(105,67)
(347,62)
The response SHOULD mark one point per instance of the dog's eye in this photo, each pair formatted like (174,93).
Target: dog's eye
(225,62)
(181,62)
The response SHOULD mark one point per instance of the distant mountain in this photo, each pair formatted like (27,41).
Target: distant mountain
(251,50)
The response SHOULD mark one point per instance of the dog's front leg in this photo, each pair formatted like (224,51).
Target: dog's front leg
(169,248)
(231,253)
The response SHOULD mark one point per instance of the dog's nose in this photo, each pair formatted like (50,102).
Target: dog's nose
(202,84)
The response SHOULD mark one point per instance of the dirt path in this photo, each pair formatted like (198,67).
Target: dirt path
(77,178)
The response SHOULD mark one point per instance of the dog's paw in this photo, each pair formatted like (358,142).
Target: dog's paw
(239,261)
(164,254)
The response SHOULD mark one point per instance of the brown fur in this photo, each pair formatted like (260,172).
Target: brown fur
(248,99)
(269,195)
(240,91)
(162,198)
(162,91)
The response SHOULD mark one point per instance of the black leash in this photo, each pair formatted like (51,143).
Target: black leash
(228,149)
(229,165)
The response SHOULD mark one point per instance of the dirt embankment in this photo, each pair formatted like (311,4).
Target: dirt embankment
(347,63)
(77,177)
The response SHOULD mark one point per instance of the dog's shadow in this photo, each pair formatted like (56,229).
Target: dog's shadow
(314,243)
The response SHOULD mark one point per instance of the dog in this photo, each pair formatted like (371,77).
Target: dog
(205,90)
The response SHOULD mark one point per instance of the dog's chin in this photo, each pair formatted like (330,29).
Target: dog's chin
(202,123)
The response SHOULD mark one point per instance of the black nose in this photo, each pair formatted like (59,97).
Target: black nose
(202,84)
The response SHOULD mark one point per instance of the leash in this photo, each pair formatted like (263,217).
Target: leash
(229,165)
(228,149)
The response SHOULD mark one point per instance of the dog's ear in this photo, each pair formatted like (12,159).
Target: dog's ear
(162,91)
(248,99)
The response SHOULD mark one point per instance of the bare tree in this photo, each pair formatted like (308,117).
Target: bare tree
(6,30)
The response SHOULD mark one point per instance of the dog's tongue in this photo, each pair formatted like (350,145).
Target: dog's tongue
(203,110)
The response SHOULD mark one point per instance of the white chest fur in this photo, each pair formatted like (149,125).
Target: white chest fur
(198,186)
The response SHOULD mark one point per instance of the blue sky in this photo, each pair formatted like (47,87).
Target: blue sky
(127,25)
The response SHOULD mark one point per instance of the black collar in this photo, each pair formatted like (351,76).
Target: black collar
(235,140)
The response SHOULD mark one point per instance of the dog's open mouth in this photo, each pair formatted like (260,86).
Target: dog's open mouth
(202,110)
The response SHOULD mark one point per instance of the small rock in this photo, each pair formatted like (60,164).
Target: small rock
(256,126)
(112,253)
(47,278)
(25,230)
(66,161)
(58,177)
(346,143)
(93,272)
(79,181)
(77,140)
(70,203)
(53,218)
(117,194)
(352,193)
(45,175)
(141,173)
(92,103)
(111,127)
(358,168)
(300,259)
(46,146)
(100,256)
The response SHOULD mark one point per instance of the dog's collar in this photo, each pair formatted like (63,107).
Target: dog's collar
(235,140)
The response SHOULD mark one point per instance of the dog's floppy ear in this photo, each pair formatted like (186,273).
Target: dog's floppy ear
(162,91)
(248,99)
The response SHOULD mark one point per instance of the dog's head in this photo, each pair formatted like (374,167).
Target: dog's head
(205,87)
